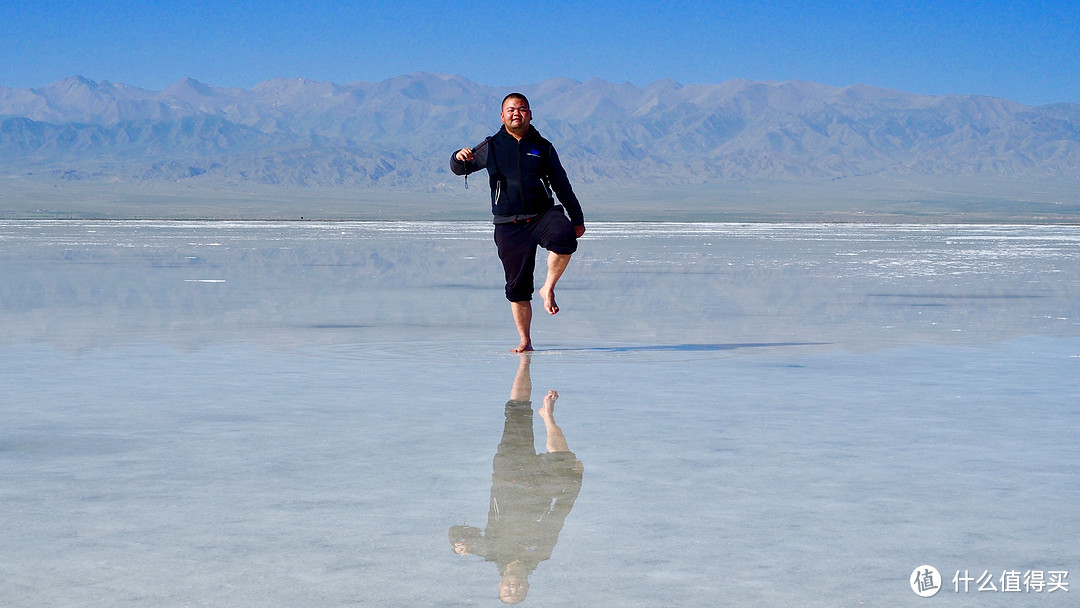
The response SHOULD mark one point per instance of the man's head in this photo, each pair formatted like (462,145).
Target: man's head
(514,586)
(513,590)
(516,115)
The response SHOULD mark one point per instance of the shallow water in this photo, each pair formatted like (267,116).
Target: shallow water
(297,413)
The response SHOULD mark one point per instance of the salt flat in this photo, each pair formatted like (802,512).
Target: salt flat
(298,413)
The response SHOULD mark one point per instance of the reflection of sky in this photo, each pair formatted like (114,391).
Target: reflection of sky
(294,414)
(88,283)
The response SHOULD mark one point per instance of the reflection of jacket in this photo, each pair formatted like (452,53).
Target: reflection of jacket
(522,175)
(531,495)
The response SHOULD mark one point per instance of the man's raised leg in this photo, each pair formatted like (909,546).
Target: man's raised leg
(556,440)
(522,312)
(556,265)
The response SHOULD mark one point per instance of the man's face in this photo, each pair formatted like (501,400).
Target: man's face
(516,114)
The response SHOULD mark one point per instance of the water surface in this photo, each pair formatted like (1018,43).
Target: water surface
(300,413)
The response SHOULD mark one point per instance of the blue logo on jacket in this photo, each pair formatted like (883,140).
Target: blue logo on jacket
(535,153)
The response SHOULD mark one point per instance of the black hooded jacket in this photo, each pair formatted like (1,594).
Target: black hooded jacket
(523,174)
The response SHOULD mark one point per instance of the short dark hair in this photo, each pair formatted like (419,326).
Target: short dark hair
(514,96)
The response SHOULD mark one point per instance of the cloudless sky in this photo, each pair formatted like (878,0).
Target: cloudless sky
(1027,51)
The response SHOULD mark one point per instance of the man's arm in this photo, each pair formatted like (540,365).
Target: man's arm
(468,160)
(561,185)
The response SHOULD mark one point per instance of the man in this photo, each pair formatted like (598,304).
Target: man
(523,171)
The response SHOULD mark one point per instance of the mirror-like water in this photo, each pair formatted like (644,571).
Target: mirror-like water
(315,414)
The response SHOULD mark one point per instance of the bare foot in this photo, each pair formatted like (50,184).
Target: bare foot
(549,404)
(548,294)
(524,347)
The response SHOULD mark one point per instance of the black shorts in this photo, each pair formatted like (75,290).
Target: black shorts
(517,243)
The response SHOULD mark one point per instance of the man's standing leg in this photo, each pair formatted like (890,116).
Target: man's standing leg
(517,250)
(522,312)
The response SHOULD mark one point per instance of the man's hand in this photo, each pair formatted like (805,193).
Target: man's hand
(464,155)
(579,230)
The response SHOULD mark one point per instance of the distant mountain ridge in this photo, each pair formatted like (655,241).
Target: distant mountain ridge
(399,133)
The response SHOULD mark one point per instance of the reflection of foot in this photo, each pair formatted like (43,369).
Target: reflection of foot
(548,294)
(524,347)
(548,408)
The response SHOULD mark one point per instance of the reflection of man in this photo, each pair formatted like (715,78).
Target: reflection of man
(531,494)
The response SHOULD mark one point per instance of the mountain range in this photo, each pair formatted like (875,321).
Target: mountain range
(399,133)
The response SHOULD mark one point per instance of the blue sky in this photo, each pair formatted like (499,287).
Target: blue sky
(1023,50)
